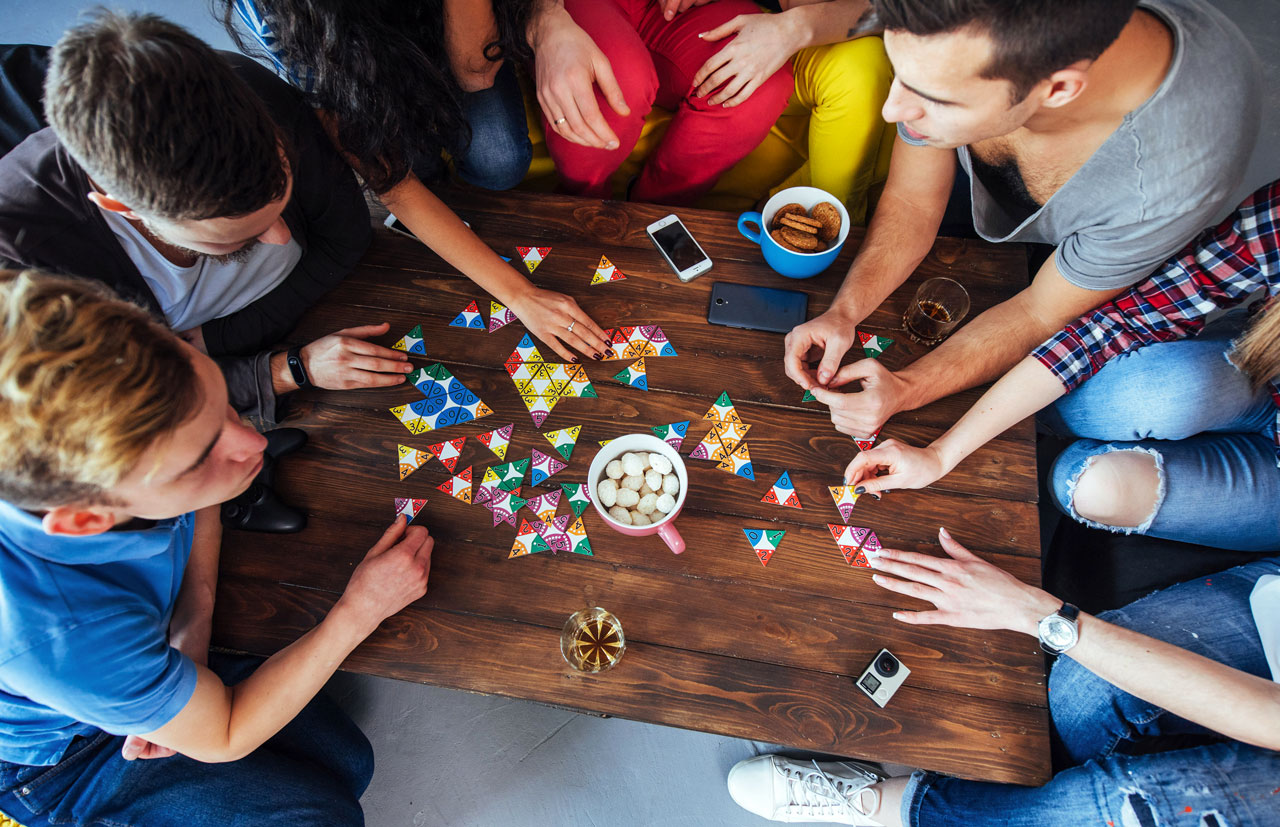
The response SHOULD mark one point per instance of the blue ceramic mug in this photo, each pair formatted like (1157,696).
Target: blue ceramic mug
(786,262)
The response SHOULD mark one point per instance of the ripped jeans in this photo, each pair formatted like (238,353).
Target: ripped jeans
(1212,436)
(1118,775)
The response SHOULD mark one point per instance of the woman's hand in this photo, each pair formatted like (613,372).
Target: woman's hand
(763,45)
(558,320)
(965,590)
(906,467)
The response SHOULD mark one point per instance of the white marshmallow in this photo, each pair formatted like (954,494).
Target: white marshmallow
(620,514)
(607,493)
(633,464)
(653,479)
(671,484)
(627,498)
(633,481)
(660,463)
(613,470)
(665,503)
(639,519)
(647,503)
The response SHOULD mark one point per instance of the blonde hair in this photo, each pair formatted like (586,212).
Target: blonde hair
(87,383)
(1257,353)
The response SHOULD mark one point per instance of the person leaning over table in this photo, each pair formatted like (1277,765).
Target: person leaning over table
(194,182)
(1176,416)
(1164,710)
(394,83)
(841,76)
(600,65)
(117,443)
(1112,129)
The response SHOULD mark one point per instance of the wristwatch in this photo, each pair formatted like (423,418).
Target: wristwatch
(294,359)
(1059,631)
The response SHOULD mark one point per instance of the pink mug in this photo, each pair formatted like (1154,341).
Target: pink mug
(641,444)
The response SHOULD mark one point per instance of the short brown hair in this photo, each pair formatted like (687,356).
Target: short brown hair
(1031,39)
(87,383)
(161,121)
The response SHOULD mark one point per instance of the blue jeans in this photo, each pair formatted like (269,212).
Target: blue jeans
(1111,739)
(1211,434)
(498,154)
(312,772)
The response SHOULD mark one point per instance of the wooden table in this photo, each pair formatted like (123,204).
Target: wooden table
(716,641)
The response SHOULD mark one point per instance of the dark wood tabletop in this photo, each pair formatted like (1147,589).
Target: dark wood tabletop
(715,640)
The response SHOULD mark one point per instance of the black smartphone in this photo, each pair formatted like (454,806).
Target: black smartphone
(756,308)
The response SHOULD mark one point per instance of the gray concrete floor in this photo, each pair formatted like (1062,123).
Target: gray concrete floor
(453,758)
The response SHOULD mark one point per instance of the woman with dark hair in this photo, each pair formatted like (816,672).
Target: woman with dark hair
(397,84)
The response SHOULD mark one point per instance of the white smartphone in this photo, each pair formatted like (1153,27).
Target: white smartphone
(678,247)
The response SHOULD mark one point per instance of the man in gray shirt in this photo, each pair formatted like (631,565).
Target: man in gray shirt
(1113,130)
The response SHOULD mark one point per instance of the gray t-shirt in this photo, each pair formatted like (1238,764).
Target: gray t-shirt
(1167,172)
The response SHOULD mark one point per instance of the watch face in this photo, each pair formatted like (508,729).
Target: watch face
(1057,632)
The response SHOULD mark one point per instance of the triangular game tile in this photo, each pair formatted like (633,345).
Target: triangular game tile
(544,505)
(635,375)
(606,271)
(722,410)
(449,451)
(499,316)
(783,492)
(410,459)
(544,466)
(672,434)
(497,440)
(765,542)
(409,507)
(579,496)
(533,256)
(564,439)
(578,542)
(469,318)
(868,443)
(738,462)
(458,486)
(411,342)
(528,541)
(845,499)
(873,345)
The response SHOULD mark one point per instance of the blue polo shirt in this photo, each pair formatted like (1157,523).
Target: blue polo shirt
(84,634)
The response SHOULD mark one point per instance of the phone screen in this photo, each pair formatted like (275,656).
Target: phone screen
(675,241)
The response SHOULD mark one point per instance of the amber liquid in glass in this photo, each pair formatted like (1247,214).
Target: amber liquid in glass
(928,322)
(595,645)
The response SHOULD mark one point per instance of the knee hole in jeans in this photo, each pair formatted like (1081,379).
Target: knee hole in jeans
(1120,490)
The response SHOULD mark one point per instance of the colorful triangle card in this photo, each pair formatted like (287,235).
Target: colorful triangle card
(504,506)
(409,507)
(672,434)
(469,318)
(845,499)
(809,397)
(578,542)
(511,474)
(497,440)
(564,439)
(528,541)
(499,316)
(411,342)
(410,459)
(764,542)
(556,532)
(544,505)
(544,466)
(868,443)
(458,486)
(783,492)
(449,451)
(533,256)
(722,410)
(855,543)
(873,345)
(606,271)
(635,375)
(738,462)
(579,497)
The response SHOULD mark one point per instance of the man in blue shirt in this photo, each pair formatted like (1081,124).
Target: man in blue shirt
(117,444)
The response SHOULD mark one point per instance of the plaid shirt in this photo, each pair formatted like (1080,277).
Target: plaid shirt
(1221,268)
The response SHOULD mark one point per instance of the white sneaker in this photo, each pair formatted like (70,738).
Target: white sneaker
(780,789)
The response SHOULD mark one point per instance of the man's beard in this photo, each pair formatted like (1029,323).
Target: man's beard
(234,257)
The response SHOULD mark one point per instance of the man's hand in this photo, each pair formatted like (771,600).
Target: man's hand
(548,316)
(344,360)
(828,337)
(862,413)
(763,45)
(392,575)
(966,590)
(907,467)
(567,66)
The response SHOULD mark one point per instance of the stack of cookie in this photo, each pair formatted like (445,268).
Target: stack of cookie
(805,231)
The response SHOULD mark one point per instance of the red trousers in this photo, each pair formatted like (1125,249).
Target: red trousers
(654,62)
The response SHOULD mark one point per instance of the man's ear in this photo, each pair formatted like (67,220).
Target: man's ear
(106,202)
(78,520)
(1066,85)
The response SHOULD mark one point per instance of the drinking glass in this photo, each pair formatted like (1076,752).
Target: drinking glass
(592,640)
(940,304)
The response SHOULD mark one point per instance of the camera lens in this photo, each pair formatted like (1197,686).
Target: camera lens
(887,665)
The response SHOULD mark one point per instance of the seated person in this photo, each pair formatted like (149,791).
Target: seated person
(117,445)
(1112,129)
(397,89)
(601,65)
(841,76)
(1187,661)
(214,197)
(1178,435)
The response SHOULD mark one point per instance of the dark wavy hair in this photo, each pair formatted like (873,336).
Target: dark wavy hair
(381,68)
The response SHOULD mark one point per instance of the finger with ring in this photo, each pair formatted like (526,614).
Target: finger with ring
(571,324)
(558,121)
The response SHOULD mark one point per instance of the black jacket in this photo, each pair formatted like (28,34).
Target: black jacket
(47,222)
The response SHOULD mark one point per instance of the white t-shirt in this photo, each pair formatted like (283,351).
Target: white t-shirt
(1265,602)
(191,296)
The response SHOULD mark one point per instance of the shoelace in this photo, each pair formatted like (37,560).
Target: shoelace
(813,792)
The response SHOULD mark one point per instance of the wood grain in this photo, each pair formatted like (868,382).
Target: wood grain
(716,641)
